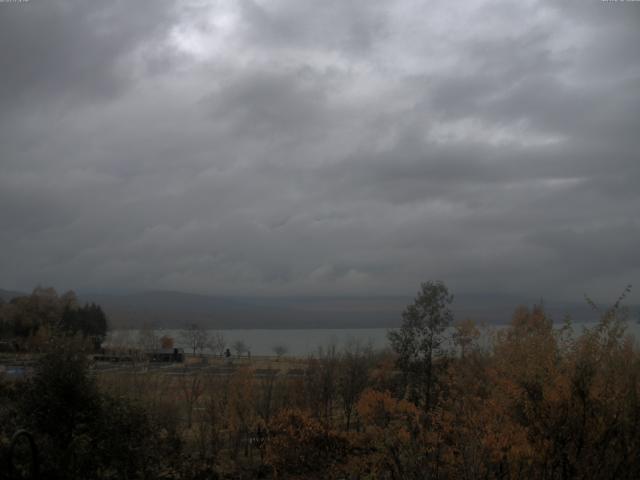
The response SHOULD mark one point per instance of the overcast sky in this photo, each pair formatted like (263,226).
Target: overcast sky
(320,147)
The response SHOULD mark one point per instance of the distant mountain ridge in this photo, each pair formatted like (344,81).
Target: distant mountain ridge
(7,295)
(171,309)
(174,309)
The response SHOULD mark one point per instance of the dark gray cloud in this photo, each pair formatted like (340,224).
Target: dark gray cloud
(70,50)
(320,147)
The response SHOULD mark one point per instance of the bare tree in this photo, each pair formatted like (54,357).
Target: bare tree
(280,350)
(321,383)
(211,424)
(266,386)
(119,341)
(217,343)
(240,347)
(195,337)
(148,339)
(353,378)
(192,388)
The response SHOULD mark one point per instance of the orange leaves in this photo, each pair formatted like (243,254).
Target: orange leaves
(301,447)
(241,407)
(542,403)
(379,409)
(166,342)
(396,442)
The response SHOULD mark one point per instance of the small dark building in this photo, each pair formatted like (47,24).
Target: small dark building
(167,355)
(113,358)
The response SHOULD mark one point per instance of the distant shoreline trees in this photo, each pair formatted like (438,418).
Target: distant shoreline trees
(33,319)
(280,350)
(240,347)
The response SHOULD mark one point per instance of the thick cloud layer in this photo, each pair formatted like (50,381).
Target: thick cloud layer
(336,147)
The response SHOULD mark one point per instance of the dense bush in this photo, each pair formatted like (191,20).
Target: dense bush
(80,432)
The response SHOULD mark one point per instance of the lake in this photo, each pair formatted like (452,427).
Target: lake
(302,342)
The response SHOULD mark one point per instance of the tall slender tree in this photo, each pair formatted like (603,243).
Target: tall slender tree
(420,338)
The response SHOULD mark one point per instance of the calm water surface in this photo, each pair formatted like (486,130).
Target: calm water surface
(302,342)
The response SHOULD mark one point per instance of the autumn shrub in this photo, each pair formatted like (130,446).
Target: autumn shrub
(299,446)
(394,444)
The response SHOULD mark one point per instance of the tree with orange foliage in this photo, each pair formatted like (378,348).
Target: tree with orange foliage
(166,342)
(300,447)
(563,409)
(321,383)
(395,444)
